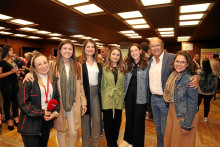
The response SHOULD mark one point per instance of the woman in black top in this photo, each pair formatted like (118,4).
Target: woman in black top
(9,86)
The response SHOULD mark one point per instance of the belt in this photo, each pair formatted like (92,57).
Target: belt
(157,95)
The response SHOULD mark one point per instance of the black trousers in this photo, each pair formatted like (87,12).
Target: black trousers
(112,126)
(38,140)
(9,93)
(135,123)
(207,99)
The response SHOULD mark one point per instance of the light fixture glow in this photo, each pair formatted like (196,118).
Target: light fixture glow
(189,23)
(141,26)
(171,35)
(136,21)
(77,36)
(4,17)
(191,16)
(164,33)
(5,33)
(55,38)
(42,32)
(194,8)
(19,35)
(28,29)
(33,37)
(135,37)
(73,40)
(165,29)
(128,31)
(1,28)
(183,38)
(55,34)
(132,14)
(95,39)
(134,34)
(88,9)
(155,2)
(21,22)
(72,2)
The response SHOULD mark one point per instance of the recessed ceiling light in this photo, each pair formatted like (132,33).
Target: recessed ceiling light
(95,39)
(88,9)
(5,17)
(77,36)
(132,14)
(129,31)
(42,32)
(21,22)
(19,35)
(55,34)
(5,33)
(33,37)
(167,35)
(191,16)
(140,26)
(194,8)
(28,29)
(55,38)
(189,23)
(149,38)
(85,37)
(155,2)
(165,29)
(73,40)
(134,37)
(163,33)
(136,21)
(72,2)
(183,38)
(134,34)
(62,39)
(1,28)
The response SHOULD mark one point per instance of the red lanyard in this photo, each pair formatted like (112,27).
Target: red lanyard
(47,90)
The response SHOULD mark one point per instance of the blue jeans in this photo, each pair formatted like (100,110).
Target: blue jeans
(160,111)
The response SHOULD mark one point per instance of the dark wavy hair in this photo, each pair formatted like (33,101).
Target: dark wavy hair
(76,65)
(5,50)
(84,58)
(130,61)
(206,67)
(190,69)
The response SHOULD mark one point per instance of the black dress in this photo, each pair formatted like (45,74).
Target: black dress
(9,89)
(135,114)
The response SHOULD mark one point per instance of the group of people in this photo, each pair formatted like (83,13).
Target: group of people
(85,91)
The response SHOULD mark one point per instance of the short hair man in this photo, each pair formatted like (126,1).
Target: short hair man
(157,74)
(196,61)
(105,52)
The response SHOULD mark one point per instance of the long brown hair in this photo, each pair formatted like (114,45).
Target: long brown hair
(190,69)
(84,58)
(76,65)
(50,72)
(120,65)
(130,61)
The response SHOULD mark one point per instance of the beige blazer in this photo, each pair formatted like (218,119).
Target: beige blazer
(60,122)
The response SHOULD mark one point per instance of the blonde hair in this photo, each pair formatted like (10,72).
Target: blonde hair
(50,73)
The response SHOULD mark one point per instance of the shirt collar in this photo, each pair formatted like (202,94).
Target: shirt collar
(161,57)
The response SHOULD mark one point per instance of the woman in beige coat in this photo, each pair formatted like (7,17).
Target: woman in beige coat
(72,98)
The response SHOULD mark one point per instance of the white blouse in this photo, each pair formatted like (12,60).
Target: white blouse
(93,72)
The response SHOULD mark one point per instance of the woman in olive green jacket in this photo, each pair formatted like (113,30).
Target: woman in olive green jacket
(112,93)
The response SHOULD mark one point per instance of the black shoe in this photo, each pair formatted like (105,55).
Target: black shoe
(11,128)
(16,124)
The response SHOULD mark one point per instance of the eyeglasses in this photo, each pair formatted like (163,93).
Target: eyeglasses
(179,62)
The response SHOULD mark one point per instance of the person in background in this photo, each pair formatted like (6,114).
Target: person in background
(8,76)
(207,86)
(135,96)
(215,65)
(105,52)
(158,71)
(112,93)
(33,98)
(196,62)
(27,62)
(72,98)
(182,119)
(91,69)
(18,60)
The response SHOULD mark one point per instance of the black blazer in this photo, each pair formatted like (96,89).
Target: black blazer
(87,88)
